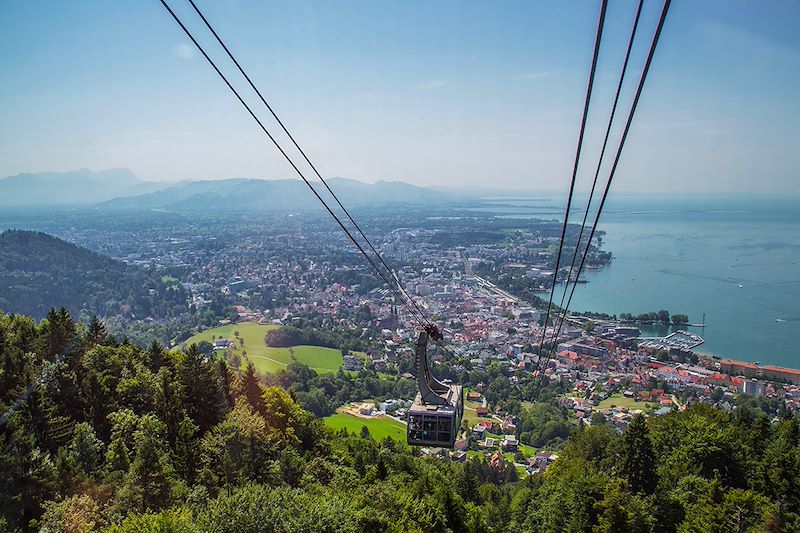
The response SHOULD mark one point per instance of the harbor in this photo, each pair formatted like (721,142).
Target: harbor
(678,340)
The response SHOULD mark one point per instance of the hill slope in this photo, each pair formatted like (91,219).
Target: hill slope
(77,187)
(114,441)
(38,271)
(285,194)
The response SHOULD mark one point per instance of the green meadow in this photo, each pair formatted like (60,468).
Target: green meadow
(379,427)
(266,358)
(618,400)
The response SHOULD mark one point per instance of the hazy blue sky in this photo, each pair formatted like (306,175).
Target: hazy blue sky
(429,92)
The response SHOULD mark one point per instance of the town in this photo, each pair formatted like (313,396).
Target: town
(478,276)
(290,270)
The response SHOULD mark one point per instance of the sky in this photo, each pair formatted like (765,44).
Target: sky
(436,93)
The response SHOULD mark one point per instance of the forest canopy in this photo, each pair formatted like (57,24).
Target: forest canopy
(124,439)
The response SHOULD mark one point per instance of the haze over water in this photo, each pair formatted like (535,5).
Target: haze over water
(735,259)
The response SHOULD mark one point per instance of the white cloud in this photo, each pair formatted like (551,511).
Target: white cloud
(184,51)
(429,85)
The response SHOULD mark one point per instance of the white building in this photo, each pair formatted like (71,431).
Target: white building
(753,387)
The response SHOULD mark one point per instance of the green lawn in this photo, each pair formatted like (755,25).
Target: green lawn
(269,359)
(630,403)
(471,416)
(379,427)
(527,451)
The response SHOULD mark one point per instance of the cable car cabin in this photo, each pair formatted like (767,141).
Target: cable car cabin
(435,417)
(435,425)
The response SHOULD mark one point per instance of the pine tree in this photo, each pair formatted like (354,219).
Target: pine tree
(151,472)
(620,512)
(86,449)
(200,389)
(168,404)
(156,355)
(468,481)
(638,460)
(117,459)
(226,383)
(186,452)
(252,388)
(27,476)
(96,333)
(59,331)
(381,468)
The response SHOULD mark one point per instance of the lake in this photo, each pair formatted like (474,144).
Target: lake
(736,259)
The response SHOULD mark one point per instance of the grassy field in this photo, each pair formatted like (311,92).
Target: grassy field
(527,451)
(630,403)
(269,359)
(471,416)
(379,427)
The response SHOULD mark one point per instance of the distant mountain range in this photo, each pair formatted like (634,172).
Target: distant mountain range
(76,187)
(38,271)
(284,194)
(121,189)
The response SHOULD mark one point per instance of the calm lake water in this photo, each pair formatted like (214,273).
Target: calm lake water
(735,259)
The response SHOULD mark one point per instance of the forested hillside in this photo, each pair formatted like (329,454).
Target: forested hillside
(38,271)
(126,439)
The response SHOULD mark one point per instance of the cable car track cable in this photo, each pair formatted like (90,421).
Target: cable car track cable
(288,158)
(405,297)
(624,136)
(599,165)
(587,100)
(303,153)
